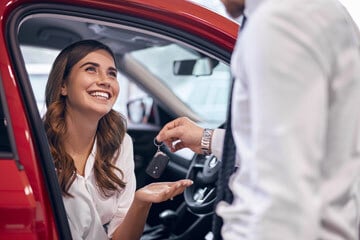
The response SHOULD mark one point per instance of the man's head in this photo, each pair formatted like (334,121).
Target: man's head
(235,8)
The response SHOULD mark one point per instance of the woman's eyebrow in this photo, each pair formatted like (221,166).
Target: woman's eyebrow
(112,69)
(90,63)
(97,65)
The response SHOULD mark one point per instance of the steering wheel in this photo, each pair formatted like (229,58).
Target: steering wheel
(200,196)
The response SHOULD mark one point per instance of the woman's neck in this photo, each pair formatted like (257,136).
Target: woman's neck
(79,140)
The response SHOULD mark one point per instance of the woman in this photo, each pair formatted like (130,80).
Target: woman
(93,154)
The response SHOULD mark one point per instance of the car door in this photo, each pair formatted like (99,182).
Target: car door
(143,35)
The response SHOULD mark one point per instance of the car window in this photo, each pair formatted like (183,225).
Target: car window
(203,97)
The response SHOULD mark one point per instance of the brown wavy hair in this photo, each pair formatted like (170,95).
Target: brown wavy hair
(109,134)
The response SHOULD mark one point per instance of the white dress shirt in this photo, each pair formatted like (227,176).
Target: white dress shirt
(296,123)
(88,210)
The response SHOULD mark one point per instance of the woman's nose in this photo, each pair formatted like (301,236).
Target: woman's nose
(104,80)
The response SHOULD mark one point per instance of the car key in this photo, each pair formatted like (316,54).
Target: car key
(158,163)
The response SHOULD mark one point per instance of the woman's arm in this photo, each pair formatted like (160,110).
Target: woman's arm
(134,222)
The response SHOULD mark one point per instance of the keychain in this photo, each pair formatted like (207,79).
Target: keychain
(158,163)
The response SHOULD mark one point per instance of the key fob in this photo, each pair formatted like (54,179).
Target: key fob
(157,165)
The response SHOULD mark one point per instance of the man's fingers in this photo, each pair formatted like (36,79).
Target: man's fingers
(169,135)
(178,145)
(171,130)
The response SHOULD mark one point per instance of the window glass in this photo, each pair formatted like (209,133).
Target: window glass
(38,65)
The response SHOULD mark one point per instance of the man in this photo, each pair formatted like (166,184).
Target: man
(295,123)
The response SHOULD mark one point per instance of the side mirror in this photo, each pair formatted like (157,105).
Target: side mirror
(194,67)
(138,110)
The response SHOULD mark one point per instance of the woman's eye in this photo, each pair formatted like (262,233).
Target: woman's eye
(113,74)
(90,69)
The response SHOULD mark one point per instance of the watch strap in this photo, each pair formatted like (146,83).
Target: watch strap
(206,141)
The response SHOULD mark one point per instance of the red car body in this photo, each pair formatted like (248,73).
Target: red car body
(26,210)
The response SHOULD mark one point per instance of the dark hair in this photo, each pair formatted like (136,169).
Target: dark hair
(109,135)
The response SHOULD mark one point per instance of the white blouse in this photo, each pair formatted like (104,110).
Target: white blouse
(88,210)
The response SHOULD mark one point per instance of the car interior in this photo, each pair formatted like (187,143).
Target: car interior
(164,73)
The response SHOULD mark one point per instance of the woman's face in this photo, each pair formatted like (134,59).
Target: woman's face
(92,86)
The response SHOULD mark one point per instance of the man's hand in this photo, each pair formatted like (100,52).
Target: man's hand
(181,133)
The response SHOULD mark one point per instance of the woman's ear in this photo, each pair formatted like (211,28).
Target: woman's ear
(63,90)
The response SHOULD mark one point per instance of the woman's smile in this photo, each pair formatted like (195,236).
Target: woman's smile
(101,95)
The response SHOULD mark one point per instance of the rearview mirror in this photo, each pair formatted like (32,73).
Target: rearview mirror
(194,67)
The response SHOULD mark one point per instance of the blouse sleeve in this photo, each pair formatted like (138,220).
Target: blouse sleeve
(125,162)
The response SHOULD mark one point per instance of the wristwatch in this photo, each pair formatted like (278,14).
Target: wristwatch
(206,141)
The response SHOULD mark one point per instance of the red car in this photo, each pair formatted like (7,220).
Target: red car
(174,61)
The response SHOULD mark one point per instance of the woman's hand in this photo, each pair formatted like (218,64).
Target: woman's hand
(134,221)
(161,191)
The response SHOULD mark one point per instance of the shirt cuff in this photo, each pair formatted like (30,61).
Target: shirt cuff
(217,142)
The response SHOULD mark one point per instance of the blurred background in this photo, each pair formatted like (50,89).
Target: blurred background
(353,6)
